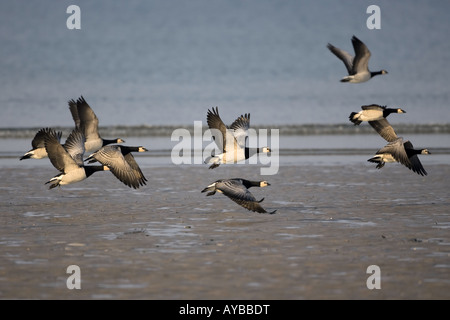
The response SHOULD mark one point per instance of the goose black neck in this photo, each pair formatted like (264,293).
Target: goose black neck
(254,150)
(249,184)
(128,149)
(109,141)
(375,73)
(92,169)
(388,111)
(412,152)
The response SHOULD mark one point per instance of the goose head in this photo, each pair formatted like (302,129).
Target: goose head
(264,184)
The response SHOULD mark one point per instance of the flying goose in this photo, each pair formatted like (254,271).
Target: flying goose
(233,137)
(38,147)
(237,190)
(68,159)
(85,119)
(121,162)
(373,112)
(403,152)
(357,66)
(376,116)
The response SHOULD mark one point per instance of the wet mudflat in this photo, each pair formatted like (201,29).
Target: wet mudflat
(169,241)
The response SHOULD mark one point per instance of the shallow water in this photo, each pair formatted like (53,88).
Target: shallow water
(154,63)
(292,150)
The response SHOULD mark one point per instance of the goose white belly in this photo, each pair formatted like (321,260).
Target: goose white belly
(73,176)
(369,115)
(385,157)
(358,78)
(229,157)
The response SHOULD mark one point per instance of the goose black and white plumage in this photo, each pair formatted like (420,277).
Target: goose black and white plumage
(232,140)
(376,116)
(373,112)
(87,121)
(38,146)
(403,152)
(68,159)
(237,190)
(121,162)
(358,65)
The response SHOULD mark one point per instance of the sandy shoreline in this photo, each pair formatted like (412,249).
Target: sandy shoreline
(168,241)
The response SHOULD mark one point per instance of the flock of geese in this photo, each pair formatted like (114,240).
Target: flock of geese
(398,149)
(232,143)
(231,140)
(68,158)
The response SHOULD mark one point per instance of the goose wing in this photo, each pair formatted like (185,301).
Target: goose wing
(74,111)
(236,191)
(240,128)
(112,157)
(74,145)
(215,123)
(87,119)
(397,150)
(135,167)
(362,56)
(416,165)
(128,156)
(38,140)
(343,55)
(373,107)
(58,155)
(384,129)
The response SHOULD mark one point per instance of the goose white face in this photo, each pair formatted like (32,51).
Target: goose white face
(264,184)
(266,150)
(142,149)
